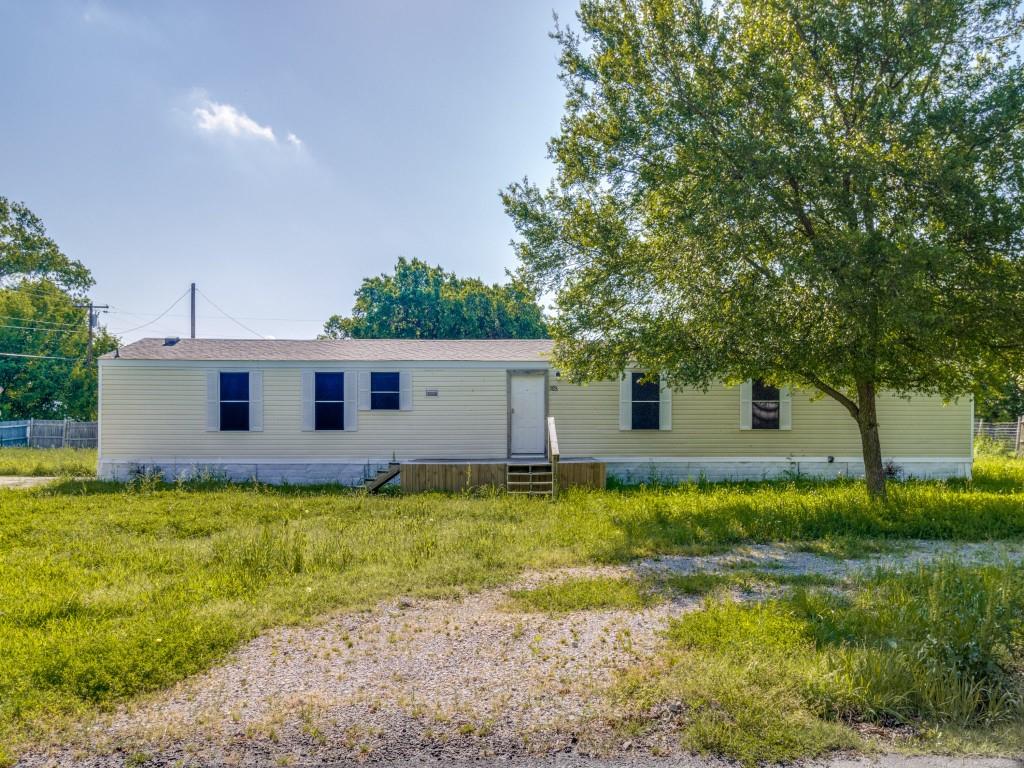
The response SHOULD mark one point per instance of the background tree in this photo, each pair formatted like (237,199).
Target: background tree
(825,195)
(423,302)
(1004,404)
(39,287)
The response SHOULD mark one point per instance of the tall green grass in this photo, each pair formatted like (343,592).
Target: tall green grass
(940,646)
(47,462)
(107,591)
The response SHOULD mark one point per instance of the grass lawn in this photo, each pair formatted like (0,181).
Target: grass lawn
(108,591)
(46,462)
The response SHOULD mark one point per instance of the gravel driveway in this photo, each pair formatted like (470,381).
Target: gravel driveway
(440,680)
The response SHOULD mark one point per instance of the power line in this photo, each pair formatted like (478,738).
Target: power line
(35,320)
(158,317)
(37,328)
(38,357)
(237,322)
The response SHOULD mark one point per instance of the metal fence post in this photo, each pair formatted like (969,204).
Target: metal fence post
(28,433)
(1017,441)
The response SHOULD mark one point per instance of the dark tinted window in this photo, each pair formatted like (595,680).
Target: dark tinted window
(234,386)
(765,406)
(234,417)
(761,391)
(234,402)
(646,402)
(645,389)
(329,415)
(646,415)
(384,391)
(329,408)
(330,386)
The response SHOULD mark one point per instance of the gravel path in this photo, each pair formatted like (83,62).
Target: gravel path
(439,680)
(14,481)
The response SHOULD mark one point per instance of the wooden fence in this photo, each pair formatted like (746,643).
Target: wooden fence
(49,433)
(1008,433)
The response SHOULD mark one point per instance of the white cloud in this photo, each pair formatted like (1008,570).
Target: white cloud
(295,141)
(212,117)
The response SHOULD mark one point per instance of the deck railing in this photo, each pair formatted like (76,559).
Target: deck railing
(553,453)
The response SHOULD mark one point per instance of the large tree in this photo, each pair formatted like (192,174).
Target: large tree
(419,301)
(820,194)
(45,368)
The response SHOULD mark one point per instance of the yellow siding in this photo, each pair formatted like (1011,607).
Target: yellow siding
(707,424)
(159,412)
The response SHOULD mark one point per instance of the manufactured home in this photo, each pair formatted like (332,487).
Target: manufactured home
(451,414)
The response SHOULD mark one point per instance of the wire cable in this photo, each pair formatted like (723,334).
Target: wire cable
(37,357)
(158,317)
(239,323)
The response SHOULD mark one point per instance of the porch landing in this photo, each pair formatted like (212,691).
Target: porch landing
(461,475)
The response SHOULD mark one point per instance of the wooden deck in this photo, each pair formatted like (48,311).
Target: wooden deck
(426,475)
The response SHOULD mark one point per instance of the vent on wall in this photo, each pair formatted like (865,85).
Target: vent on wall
(433,393)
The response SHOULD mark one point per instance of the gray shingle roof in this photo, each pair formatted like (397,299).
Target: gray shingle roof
(493,350)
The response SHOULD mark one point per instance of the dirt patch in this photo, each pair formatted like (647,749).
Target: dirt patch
(435,680)
(13,481)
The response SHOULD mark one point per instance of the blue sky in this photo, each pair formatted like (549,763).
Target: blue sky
(275,153)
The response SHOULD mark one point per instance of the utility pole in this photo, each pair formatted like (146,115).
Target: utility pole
(193,311)
(93,314)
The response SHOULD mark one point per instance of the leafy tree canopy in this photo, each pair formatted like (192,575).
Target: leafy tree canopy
(423,302)
(41,319)
(822,194)
(1006,404)
(26,252)
(39,287)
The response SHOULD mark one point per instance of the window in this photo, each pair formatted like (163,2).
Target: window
(765,406)
(329,401)
(384,391)
(646,401)
(234,402)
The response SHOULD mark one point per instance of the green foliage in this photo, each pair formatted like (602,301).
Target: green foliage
(47,462)
(775,681)
(595,594)
(42,319)
(39,287)
(111,590)
(27,253)
(423,302)
(821,194)
(1005,403)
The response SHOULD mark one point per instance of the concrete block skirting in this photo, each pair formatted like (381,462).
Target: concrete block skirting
(671,472)
(272,473)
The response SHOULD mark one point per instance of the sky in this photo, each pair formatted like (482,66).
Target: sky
(275,153)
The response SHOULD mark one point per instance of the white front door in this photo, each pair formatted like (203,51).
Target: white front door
(526,394)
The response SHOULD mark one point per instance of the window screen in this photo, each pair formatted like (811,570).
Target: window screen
(646,401)
(384,391)
(764,405)
(329,401)
(234,402)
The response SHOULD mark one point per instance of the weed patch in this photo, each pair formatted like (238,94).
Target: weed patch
(600,593)
(939,647)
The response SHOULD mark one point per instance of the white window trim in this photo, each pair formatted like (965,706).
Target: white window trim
(747,408)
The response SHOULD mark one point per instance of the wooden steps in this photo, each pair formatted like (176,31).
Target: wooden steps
(374,484)
(532,479)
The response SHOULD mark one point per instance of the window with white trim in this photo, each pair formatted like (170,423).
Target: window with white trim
(329,401)
(765,405)
(234,401)
(646,401)
(385,391)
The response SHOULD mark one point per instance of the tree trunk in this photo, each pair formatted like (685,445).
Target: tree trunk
(867,422)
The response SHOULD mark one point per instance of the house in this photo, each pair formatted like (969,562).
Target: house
(452,413)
